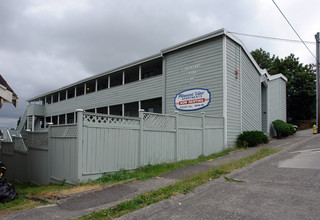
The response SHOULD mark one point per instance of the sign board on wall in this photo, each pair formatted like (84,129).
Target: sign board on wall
(192,99)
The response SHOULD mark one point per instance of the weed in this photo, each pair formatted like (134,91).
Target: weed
(49,191)
(183,186)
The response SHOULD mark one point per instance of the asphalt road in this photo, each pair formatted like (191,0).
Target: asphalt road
(285,185)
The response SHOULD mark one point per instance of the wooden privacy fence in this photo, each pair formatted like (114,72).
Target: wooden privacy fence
(27,163)
(99,143)
(105,143)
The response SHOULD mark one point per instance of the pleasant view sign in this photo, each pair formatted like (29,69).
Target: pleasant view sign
(192,99)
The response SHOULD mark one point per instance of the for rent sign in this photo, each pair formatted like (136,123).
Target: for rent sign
(192,99)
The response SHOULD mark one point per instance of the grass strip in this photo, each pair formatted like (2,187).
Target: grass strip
(183,186)
(150,171)
(50,191)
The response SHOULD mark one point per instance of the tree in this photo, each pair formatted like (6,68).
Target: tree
(301,87)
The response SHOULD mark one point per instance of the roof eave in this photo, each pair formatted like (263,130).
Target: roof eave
(194,41)
(146,59)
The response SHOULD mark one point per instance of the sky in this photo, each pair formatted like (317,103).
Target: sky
(48,44)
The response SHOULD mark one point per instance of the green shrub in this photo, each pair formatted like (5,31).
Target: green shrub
(283,129)
(251,139)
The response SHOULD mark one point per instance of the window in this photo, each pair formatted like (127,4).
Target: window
(102,110)
(43,101)
(152,105)
(91,110)
(116,110)
(41,122)
(90,87)
(62,119)
(70,118)
(80,89)
(116,79)
(131,109)
(48,99)
(132,74)
(55,97)
(48,120)
(103,83)
(55,119)
(152,68)
(71,92)
(62,95)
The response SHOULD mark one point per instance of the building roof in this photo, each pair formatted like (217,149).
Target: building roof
(4,83)
(7,94)
(211,35)
(277,76)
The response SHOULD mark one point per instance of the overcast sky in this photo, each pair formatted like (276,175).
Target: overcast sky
(47,44)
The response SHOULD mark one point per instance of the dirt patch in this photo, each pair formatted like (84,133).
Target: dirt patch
(304,124)
(79,189)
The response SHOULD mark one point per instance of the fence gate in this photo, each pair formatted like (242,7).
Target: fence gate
(63,153)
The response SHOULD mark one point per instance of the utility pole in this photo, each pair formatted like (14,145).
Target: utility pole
(317,83)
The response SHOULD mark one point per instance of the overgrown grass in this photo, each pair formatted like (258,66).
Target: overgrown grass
(20,202)
(149,171)
(181,187)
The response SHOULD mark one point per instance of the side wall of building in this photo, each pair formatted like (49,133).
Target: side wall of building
(132,92)
(196,66)
(233,91)
(251,95)
(277,100)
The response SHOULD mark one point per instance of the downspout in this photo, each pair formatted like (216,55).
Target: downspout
(163,84)
(241,110)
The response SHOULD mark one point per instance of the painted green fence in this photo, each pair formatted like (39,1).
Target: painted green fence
(106,143)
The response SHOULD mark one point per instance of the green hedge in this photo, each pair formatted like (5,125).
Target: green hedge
(251,139)
(283,129)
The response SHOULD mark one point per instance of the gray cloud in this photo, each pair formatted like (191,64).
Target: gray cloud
(47,44)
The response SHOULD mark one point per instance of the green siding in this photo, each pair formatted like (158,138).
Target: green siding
(131,92)
(277,100)
(197,66)
(233,92)
(283,100)
(264,100)
(251,96)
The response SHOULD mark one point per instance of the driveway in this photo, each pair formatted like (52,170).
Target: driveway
(285,185)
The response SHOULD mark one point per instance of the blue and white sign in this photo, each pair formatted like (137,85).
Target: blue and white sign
(192,99)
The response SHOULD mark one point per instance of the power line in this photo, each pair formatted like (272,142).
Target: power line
(272,38)
(294,30)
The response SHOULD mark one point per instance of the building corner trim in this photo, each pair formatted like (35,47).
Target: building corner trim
(224,78)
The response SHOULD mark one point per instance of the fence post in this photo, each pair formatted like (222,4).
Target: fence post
(13,158)
(203,131)
(49,150)
(78,157)
(141,115)
(177,136)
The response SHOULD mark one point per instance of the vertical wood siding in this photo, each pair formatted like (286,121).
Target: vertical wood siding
(157,147)
(214,135)
(112,143)
(62,147)
(109,149)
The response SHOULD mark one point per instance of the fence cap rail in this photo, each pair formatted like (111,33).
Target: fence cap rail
(63,125)
(151,113)
(112,116)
